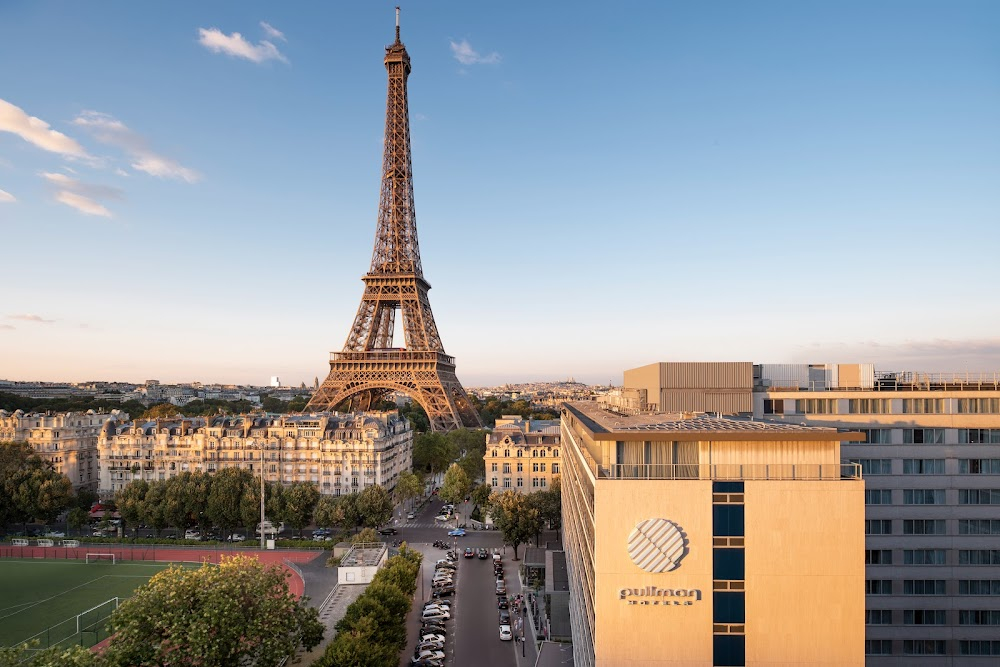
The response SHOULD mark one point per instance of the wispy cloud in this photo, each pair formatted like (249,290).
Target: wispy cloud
(109,130)
(272,32)
(465,54)
(30,317)
(6,197)
(36,131)
(236,45)
(935,355)
(7,327)
(81,196)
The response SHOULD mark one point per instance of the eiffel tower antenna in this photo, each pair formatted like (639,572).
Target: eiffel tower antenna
(369,367)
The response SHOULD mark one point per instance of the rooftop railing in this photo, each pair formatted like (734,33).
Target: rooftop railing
(740,471)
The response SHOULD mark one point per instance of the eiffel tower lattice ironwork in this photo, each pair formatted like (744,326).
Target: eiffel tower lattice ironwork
(369,367)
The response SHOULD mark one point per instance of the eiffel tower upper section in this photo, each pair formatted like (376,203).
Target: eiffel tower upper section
(369,366)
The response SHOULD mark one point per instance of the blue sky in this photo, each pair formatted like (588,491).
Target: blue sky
(598,185)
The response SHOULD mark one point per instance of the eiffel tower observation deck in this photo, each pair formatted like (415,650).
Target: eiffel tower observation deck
(369,367)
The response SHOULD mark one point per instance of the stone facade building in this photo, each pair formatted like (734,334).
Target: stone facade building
(68,441)
(522,454)
(340,453)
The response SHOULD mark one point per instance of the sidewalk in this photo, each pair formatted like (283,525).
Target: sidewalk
(526,651)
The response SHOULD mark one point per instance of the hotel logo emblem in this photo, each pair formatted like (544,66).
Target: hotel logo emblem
(657,545)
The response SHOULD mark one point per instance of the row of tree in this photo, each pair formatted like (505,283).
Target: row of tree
(520,517)
(231,497)
(434,452)
(373,629)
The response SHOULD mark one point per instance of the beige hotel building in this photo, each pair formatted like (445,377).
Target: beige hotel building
(702,540)
(340,453)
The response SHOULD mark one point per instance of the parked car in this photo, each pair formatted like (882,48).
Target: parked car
(433,627)
(237,537)
(501,588)
(504,617)
(432,637)
(55,533)
(388,531)
(272,530)
(429,655)
(411,515)
(442,517)
(192,535)
(458,532)
(435,615)
(444,591)
(505,634)
(502,602)
(426,662)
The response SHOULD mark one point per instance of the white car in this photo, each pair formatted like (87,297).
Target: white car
(411,515)
(236,537)
(192,535)
(55,533)
(505,634)
(435,615)
(442,517)
(431,637)
(429,654)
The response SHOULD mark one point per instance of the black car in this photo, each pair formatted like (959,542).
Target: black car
(444,592)
(483,554)
(388,531)
(502,602)
(504,617)
(432,628)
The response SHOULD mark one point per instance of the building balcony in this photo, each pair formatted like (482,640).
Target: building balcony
(733,471)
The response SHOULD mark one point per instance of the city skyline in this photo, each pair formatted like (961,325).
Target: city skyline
(779,183)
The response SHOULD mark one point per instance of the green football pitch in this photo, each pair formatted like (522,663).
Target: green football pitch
(47,599)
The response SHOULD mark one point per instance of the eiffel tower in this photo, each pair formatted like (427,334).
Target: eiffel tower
(369,367)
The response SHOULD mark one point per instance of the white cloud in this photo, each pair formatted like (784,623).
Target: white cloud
(465,54)
(6,197)
(30,317)
(272,32)
(83,204)
(109,130)
(217,41)
(36,131)
(81,196)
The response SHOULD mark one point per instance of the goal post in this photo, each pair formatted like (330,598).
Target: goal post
(85,621)
(96,557)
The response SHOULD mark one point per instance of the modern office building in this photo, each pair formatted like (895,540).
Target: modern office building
(706,540)
(66,440)
(340,453)
(931,462)
(522,454)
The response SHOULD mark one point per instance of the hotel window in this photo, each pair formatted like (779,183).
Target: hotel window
(878,497)
(979,496)
(869,406)
(494,453)
(923,496)
(878,586)
(979,616)
(923,527)
(979,587)
(923,436)
(534,467)
(923,647)
(874,466)
(816,406)
(534,482)
(978,647)
(774,407)
(878,526)
(923,466)
(976,406)
(878,617)
(878,647)
(543,467)
(979,526)
(979,436)
(923,406)
(506,468)
(924,617)
(542,482)
(979,466)
(729,650)
(923,587)
(878,556)
(728,520)
(493,482)
(876,436)
(979,557)
(520,452)
(555,453)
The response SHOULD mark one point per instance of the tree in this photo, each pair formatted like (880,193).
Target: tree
(77,518)
(30,488)
(481,494)
(432,452)
(456,485)
(27,655)
(153,503)
(131,500)
(329,512)
(298,404)
(473,464)
(374,506)
(300,503)
(514,517)
(408,487)
(240,612)
(177,498)
(365,535)
(225,497)
(357,646)
(548,504)
(352,514)
(161,411)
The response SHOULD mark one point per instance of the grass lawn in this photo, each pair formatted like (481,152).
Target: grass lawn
(36,595)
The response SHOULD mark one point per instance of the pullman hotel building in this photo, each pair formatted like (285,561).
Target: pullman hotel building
(697,539)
